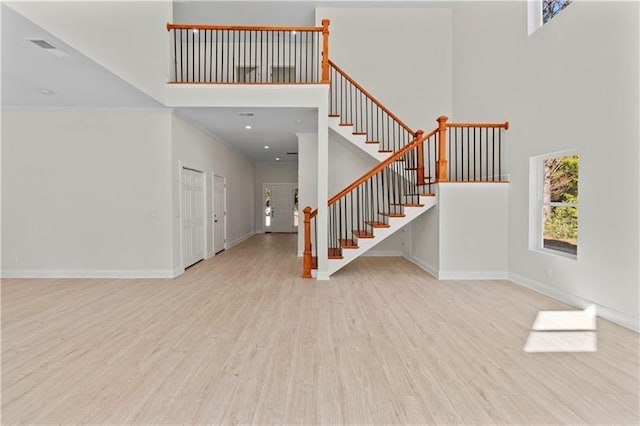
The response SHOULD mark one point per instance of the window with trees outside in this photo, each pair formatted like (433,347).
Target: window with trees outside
(551,8)
(559,204)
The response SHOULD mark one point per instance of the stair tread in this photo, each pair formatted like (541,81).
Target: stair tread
(371,142)
(392,214)
(346,124)
(334,115)
(422,194)
(348,244)
(376,224)
(384,150)
(407,204)
(362,234)
(335,253)
(359,133)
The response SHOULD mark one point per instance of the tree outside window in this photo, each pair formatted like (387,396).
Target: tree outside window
(560,204)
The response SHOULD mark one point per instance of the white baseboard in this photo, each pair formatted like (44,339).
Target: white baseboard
(609,314)
(431,270)
(383,253)
(240,240)
(79,273)
(209,255)
(473,275)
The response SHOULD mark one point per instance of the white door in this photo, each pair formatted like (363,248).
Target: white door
(281,208)
(219,214)
(192,216)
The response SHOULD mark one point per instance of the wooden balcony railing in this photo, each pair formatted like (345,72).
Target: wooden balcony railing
(249,54)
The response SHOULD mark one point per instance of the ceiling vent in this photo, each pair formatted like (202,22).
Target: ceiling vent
(292,153)
(43,44)
(246,114)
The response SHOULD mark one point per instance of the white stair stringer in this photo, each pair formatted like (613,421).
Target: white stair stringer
(395,223)
(358,140)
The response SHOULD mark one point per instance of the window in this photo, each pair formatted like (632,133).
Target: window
(542,11)
(557,207)
(551,8)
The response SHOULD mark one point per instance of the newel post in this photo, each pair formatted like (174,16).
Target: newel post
(442,148)
(420,154)
(306,258)
(325,51)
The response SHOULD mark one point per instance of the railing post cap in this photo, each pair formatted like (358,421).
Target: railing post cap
(325,22)
(307,210)
(506,125)
(443,118)
(421,132)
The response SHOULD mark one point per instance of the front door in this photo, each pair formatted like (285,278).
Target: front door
(280,212)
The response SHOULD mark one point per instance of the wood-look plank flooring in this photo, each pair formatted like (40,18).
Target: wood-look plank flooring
(240,338)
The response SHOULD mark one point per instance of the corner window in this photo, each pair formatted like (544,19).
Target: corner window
(556,210)
(542,11)
(551,8)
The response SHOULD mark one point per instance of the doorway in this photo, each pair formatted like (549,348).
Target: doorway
(219,225)
(280,202)
(192,213)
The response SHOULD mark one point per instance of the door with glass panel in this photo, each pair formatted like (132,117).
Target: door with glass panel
(280,204)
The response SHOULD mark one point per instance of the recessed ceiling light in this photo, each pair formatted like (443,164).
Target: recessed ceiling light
(247,127)
(46,91)
(277,158)
(266,147)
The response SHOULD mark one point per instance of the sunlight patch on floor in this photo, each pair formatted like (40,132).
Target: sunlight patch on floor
(563,331)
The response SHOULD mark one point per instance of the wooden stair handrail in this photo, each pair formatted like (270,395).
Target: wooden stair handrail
(367,94)
(401,152)
(240,27)
(504,125)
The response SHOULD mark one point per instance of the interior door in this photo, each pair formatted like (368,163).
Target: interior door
(192,216)
(219,214)
(281,208)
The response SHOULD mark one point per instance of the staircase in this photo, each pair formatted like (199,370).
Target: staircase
(400,187)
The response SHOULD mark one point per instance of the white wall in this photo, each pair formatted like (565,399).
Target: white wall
(573,84)
(193,148)
(271,172)
(401,56)
(129,38)
(84,193)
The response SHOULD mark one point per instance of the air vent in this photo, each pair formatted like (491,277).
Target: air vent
(292,153)
(43,44)
(246,114)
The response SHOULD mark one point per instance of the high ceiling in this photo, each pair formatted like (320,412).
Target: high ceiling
(294,13)
(32,77)
(30,73)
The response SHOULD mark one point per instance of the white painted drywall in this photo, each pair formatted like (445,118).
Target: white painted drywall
(465,235)
(271,172)
(129,38)
(193,148)
(571,85)
(473,230)
(401,56)
(86,193)
(307,176)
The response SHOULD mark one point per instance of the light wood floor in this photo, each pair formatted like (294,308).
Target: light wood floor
(241,339)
